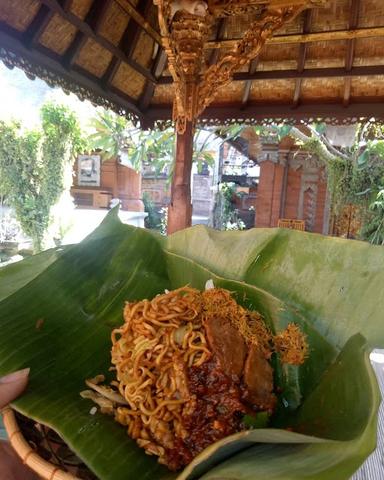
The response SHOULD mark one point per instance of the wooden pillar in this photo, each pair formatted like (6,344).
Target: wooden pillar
(180,208)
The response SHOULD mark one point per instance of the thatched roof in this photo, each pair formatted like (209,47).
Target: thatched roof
(327,63)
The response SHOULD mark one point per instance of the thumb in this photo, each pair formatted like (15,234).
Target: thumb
(12,385)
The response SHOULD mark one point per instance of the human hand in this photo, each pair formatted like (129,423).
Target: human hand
(11,466)
(12,385)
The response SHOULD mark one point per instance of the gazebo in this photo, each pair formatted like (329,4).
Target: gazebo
(213,62)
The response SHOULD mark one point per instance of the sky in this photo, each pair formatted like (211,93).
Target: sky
(21,99)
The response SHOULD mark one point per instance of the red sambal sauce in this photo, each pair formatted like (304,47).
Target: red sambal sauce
(218,412)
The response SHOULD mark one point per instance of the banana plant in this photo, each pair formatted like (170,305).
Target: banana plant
(110,134)
(116,136)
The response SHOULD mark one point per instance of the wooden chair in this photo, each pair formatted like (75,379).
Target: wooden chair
(291,223)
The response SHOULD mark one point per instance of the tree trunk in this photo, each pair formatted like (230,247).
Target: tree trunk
(180,208)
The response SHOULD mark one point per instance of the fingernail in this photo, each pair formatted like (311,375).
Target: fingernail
(14,376)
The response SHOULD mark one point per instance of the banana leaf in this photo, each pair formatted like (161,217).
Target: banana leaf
(58,308)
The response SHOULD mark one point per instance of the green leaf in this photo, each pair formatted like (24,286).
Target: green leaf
(57,316)
(260,420)
(363,158)
(17,275)
(320,128)
(284,130)
(318,276)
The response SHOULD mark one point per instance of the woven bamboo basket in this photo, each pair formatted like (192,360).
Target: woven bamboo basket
(45,469)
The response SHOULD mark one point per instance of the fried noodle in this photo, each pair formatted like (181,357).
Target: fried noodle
(188,366)
(158,338)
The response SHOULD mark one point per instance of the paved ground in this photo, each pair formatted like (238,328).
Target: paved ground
(84,221)
(373,468)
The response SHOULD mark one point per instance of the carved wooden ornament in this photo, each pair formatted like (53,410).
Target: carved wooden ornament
(185,27)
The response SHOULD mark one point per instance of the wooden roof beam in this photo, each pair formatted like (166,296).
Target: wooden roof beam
(353,23)
(37,26)
(65,4)
(307,38)
(256,111)
(82,26)
(367,70)
(127,43)
(157,70)
(222,26)
(110,72)
(308,15)
(160,63)
(93,18)
(138,17)
(248,83)
(132,32)
(73,50)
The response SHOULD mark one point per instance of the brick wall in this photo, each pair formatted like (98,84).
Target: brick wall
(292,185)
(265,194)
(277,193)
(292,195)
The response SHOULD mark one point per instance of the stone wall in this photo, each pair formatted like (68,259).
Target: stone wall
(159,190)
(202,195)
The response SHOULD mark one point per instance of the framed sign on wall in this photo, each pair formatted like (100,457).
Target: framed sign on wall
(89,170)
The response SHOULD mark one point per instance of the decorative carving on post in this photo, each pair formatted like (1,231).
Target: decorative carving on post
(229,8)
(224,8)
(248,48)
(185,27)
(188,35)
